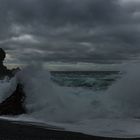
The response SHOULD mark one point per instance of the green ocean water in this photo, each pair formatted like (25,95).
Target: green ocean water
(98,80)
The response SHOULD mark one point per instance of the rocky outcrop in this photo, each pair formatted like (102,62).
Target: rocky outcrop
(3,69)
(14,104)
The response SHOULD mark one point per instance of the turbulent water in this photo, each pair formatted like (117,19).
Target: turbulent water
(98,80)
(96,103)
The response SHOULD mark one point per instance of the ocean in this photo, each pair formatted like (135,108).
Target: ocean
(98,80)
(102,103)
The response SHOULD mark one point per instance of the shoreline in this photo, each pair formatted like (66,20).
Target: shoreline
(12,130)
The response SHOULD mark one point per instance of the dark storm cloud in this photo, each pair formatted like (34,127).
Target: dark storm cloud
(63,11)
(98,31)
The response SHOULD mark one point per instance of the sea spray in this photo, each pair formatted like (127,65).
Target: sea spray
(48,101)
(124,94)
(38,87)
(7,86)
(45,100)
(110,112)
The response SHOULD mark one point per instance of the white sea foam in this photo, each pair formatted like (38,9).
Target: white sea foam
(114,112)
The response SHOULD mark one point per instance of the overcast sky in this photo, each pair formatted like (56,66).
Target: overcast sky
(70,31)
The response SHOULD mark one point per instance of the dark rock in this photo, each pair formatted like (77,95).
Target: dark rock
(3,69)
(2,55)
(14,104)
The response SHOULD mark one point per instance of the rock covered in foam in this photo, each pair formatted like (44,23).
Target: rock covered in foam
(14,104)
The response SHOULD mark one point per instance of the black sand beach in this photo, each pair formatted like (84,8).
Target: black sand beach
(11,130)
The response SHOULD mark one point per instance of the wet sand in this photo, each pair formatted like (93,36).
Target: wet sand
(11,130)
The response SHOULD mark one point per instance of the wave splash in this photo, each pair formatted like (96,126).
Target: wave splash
(50,102)
(69,106)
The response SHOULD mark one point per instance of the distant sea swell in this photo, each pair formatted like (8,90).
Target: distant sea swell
(98,80)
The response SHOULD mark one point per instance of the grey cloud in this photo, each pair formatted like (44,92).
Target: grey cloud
(98,31)
(64,11)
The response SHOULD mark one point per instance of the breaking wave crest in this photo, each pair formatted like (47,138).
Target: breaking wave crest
(49,102)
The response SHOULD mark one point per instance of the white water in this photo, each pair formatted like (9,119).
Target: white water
(114,112)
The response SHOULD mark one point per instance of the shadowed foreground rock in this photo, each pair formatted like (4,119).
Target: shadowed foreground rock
(14,104)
